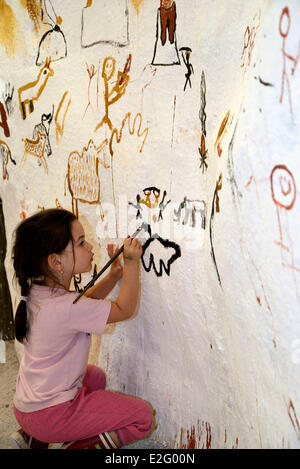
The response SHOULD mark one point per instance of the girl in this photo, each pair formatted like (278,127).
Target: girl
(60,399)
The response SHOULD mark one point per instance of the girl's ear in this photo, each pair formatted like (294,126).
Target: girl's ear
(54,262)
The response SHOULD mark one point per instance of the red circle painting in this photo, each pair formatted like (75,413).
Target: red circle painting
(283,187)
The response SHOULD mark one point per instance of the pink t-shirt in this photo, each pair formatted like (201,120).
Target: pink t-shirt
(57,347)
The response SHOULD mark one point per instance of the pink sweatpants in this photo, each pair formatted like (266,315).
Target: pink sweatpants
(93,410)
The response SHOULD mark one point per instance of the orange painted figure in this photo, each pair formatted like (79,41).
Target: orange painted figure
(117,91)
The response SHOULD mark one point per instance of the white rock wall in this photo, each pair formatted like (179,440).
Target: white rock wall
(215,347)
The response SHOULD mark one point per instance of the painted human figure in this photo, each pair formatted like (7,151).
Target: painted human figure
(284,31)
(186,52)
(284,191)
(148,192)
(167,20)
(249,41)
(117,91)
(152,201)
(91,73)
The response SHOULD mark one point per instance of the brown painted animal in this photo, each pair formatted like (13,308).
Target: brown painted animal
(32,91)
(83,175)
(36,148)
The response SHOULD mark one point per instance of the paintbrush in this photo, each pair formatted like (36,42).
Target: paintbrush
(112,259)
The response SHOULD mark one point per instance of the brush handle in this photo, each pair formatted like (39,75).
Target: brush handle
(111,260)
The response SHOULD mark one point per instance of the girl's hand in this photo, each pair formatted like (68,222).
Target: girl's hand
(116,269)
(132,250)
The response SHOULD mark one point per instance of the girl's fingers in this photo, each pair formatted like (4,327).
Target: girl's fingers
(132,242)
(111,250)
(127,241)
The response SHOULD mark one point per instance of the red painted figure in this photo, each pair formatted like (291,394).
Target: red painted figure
(284,28)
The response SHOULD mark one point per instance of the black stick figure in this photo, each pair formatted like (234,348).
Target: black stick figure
(186,52)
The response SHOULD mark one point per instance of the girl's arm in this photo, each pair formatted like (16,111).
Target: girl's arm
(101,289)
(126,303)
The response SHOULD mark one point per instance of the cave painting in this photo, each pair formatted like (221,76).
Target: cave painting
(167,20)
(44,128)
(36,148)
(83,175)
(203,154)
(91,70)
(134,127)
(136,4)
(215,208)
(186,53)
(236,193)
(221,133)
(3,122)
(32,91)
(9,29)
(7,97)
(53,43)
(34,11)
(158,253)
(39,146)
(249,41)
(113,94)
(293,417)
(105,22)
(165,48)
(151,205)
(202,116)
(283,189)
(5,155)
(60,120)
(284,27)
(189,212)
(198,437)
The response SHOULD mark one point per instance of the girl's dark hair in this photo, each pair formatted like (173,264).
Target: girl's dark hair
(46,232)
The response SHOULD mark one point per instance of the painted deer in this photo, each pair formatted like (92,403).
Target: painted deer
(32,91)
(83,175)
(36,148)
